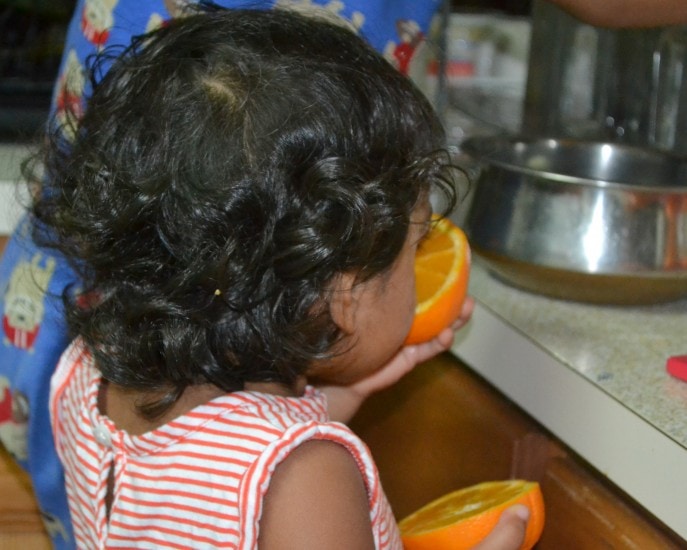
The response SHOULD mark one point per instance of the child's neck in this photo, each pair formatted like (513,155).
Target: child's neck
(120,404)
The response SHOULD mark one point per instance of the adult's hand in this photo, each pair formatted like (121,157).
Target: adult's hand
(627,13)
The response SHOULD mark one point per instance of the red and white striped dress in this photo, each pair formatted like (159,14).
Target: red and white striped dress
(196,482)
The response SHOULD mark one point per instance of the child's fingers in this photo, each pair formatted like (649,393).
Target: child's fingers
(465,313)
(509,532)
(426,350)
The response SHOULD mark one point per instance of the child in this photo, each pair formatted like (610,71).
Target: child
(242,201)
(33,277)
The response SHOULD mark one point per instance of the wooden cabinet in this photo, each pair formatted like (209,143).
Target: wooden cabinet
(442,427)
(21,527)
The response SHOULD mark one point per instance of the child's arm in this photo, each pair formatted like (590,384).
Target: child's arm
(344,401)
(316,499)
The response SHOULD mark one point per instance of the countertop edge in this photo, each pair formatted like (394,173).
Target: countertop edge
(641,460)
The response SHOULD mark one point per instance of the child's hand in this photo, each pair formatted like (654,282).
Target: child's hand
(344,401)
(509,532)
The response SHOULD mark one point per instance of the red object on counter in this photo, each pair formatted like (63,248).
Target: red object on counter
(677,366)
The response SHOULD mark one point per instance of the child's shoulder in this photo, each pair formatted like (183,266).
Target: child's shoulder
(296,508)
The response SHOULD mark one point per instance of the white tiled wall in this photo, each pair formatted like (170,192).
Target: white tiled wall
(13,192)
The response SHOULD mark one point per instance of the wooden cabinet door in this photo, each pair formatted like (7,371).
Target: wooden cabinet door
(436,431)
(583,512)
(443,427)
(21,527)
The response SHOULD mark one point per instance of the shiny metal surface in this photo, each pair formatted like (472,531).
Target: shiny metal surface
(596,222)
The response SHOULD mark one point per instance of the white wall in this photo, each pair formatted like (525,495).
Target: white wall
(13,192)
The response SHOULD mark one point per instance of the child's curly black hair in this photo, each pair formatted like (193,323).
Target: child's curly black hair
(228,166)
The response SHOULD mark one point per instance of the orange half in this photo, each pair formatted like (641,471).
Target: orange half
(462,519)
(442,268)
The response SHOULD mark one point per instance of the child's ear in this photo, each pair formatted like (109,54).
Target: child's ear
(343,303)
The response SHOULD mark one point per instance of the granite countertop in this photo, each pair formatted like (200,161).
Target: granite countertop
(622,350)
(596,377)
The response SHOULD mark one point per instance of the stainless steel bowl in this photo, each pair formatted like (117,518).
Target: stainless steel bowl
(586,221)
